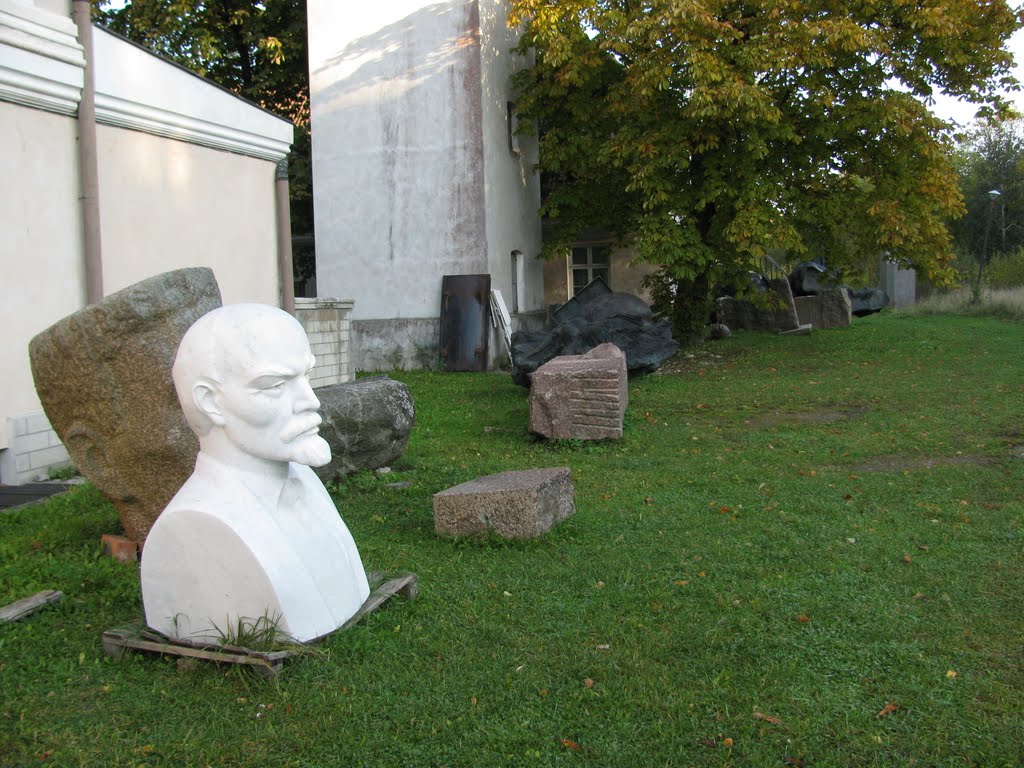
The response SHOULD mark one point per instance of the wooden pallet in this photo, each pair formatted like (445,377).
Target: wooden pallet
(117,642)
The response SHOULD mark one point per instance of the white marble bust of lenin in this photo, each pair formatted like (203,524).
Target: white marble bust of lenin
(253,532)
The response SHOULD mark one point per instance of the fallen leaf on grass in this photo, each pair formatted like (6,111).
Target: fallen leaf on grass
(794,761)
(803,618)
(908,559)
(681,582)
(707,742)
(589,683)
(888,709)
(950,674)
(767,718)
(570,744)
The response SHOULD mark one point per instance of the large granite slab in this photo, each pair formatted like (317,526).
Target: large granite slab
(516,505)
(580,397)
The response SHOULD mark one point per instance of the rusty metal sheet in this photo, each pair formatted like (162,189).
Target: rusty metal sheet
(465,303)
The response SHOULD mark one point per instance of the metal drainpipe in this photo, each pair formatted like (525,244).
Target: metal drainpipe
(284,239)
(82,14)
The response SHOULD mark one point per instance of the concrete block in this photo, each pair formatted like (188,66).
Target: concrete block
(18,426)
(514,505)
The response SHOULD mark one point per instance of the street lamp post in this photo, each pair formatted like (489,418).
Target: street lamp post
(993,195)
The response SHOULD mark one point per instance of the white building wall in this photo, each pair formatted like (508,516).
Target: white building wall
(38,206)
(511,185)
(397,159)
(413,176)
(186,175)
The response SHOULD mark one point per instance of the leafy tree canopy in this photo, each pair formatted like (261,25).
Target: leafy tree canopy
(710,131)
(256,49)
(991,159)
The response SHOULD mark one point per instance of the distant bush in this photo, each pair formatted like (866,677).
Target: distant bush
(1006,271)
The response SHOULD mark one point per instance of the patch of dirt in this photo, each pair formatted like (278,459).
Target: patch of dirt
(797,418)
(906,463)
(697,358)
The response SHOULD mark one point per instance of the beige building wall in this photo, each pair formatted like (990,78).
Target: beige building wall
(167,204)
(41,271)
(623,276)
(186,178)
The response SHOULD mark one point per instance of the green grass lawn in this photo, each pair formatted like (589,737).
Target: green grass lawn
(804,551)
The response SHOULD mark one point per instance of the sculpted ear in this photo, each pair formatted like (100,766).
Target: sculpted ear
(87,449)
(204,395)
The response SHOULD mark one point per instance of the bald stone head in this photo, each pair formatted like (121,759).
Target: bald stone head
(241,374)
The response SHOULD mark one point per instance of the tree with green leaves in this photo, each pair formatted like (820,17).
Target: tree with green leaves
(990,161)
(708,132)
(255,49)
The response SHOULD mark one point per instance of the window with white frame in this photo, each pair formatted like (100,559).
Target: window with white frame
(587,262)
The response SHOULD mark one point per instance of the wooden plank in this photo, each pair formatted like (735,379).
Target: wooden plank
(117,642)
(153,636)
(404,584)
(23,608)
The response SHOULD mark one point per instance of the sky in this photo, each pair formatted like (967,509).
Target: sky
(951,109)
(944,106)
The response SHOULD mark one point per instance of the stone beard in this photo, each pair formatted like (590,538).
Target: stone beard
(252,534)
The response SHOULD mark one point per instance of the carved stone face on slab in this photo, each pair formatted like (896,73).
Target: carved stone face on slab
(242,378)
(103,378)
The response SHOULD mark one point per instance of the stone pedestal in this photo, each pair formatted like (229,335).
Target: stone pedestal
(580,397)
(513,505)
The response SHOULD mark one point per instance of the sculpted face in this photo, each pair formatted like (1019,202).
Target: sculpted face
(242,377)
(268,406)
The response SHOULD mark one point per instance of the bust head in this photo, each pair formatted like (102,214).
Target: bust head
(241,374)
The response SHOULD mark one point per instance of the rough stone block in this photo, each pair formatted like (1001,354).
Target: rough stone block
(103,375)
(581,397)
(781,315)
(513,505)
(836,308)
(366,423)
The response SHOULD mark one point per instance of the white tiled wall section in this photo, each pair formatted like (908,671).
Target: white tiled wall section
(327,325)
(34,447)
